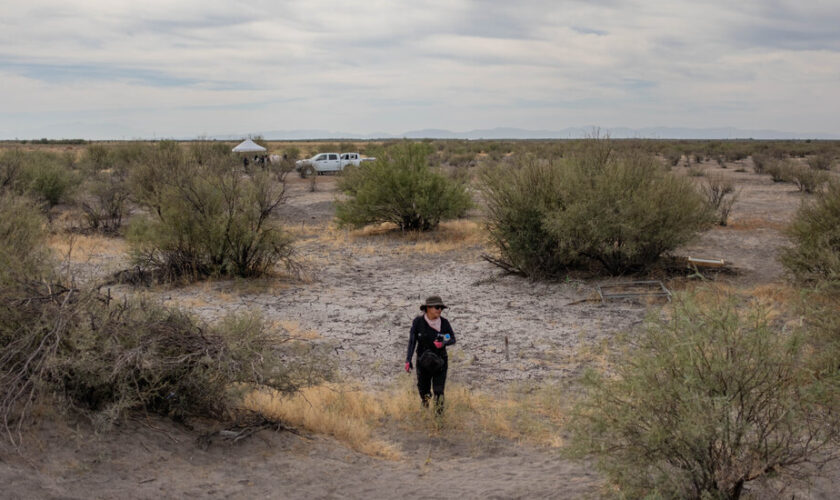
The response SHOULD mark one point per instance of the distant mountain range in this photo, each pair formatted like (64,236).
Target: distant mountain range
(111,131)
(518,133)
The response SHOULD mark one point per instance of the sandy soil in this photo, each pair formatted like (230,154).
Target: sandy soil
(359,293)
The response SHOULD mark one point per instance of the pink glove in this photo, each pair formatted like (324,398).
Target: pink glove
(438,344)
(408,366)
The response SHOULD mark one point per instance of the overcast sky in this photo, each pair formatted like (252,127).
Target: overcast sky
(131,69)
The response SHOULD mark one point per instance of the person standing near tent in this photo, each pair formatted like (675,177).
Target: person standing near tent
(430,334)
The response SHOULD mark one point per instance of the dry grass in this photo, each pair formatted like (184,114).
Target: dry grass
(78,248)
(342,412)
(750,223)
(358,418)
(295,331)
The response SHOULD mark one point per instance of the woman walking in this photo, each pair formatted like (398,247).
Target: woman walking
(430,334)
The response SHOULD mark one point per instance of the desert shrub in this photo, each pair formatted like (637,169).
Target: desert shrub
(760,162)
(48,179)
(23,253)
(821,161)
(203,151)
(720,195)
(673,157)
(594,210)
(103,358)
(704,402)
(11,166)
(105,201)
(815,233)
(805,178)
(400,187)
(779,170)
(206,219)
(97,157)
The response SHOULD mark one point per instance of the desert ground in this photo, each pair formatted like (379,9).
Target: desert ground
(357,292)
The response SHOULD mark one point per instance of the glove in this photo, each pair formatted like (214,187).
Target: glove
(438,344)
(408,366)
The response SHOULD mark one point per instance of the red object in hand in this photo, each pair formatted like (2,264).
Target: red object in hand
(408,366)
(438,344)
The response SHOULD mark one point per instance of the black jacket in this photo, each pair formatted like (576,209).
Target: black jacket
(422,337)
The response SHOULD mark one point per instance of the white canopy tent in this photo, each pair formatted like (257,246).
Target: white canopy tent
(249,146)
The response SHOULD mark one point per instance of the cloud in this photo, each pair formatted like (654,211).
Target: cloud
(395,66)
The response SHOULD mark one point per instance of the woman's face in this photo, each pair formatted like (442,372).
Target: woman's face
(432,312)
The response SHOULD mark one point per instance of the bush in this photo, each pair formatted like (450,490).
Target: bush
(717,190)
(760,162)
(47,179)
(779,170)
(707,401)
(400,187)
(105,202)
(815,232)
(822,161)
(105,359)
(595,210)
(206,219)
(806,178)
(23,253)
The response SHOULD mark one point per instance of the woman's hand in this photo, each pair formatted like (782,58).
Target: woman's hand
(408,366)
(438,344)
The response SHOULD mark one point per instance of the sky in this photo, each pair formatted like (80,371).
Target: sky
(151,69)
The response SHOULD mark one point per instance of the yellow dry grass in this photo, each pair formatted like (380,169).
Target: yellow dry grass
(295,331)
(342,412)
(357,418)
(86,248)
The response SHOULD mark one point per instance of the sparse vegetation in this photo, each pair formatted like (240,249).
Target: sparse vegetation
(708,400)
(815,232)
(400,187)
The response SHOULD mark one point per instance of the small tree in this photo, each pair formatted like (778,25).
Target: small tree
(815,232)
(400,187)
(708,400)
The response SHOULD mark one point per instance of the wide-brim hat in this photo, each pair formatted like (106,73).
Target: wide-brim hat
(434,300)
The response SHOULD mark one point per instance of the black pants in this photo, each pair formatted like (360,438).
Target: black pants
(436,382)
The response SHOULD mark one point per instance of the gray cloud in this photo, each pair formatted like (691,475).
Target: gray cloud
(395,66)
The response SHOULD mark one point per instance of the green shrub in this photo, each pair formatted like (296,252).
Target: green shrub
(815,233)
(400,187)
(207,219)
(807,179)
(23,251)
(704,402)
(595,210)
(46,178)
(97,157)
(779,170)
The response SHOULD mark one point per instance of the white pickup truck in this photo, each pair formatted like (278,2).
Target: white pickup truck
(329,162)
